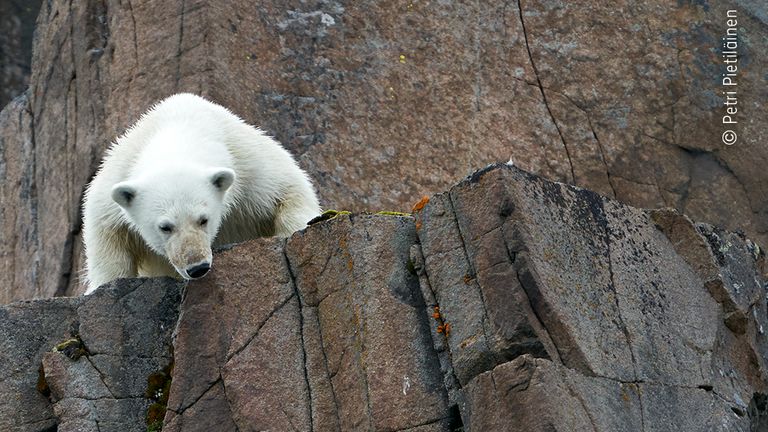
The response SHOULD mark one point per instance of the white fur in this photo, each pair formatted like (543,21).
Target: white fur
(171,159)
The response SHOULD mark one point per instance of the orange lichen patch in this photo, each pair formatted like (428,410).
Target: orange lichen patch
(442,326)
(418,225)
(444,329)
(420,205)
(624,395)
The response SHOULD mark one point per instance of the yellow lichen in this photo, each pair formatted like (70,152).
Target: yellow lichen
(72,348)
(392,213)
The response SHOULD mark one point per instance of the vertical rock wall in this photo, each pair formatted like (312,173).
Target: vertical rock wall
(570,311)
(17,25)
(384,102)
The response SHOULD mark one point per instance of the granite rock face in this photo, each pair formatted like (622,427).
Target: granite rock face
(570,311)
(384,102)
(81,364)
(508,303)
(327,332)
(17,26)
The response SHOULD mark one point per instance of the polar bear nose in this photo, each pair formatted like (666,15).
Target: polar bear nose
(199,270)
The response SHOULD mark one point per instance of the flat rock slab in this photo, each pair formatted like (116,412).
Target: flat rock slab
(238,347)
(353,276)
(29,330)
(534,394)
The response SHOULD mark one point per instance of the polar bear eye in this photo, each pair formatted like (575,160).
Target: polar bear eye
(203,221)
(166,228)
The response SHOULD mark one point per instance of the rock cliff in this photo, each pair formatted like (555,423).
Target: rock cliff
(508,303)
(386,101)
(16,29)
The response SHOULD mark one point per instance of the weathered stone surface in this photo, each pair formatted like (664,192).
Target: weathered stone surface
(564,400)
(602,299)
(335,340)
(19,250)
(383,102)
(508,303)
(125,329)
(538,395)
(30,329)
(238,347)
(635,90)
(353,278)
(16,29)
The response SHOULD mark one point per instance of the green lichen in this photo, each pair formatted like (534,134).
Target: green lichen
(155,426)
(72,348)
(158,391)
(411,267)
(393,213)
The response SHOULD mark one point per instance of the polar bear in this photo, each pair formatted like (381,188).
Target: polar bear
(187,175)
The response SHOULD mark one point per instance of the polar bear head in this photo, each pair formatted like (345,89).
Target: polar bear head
(177,212)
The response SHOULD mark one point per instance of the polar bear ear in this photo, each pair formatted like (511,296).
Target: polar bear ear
(123,194)
(222,178)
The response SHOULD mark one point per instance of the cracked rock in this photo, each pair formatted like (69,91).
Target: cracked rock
(507,303)
(571,311)
(125,331)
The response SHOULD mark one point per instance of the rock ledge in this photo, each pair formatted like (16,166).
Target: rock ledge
(508,303)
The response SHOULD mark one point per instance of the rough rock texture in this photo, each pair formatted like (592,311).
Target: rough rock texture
(570,311)
(386,101)
(328,333)
(30,329)
(108,344)
(17,24)
(508,303)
